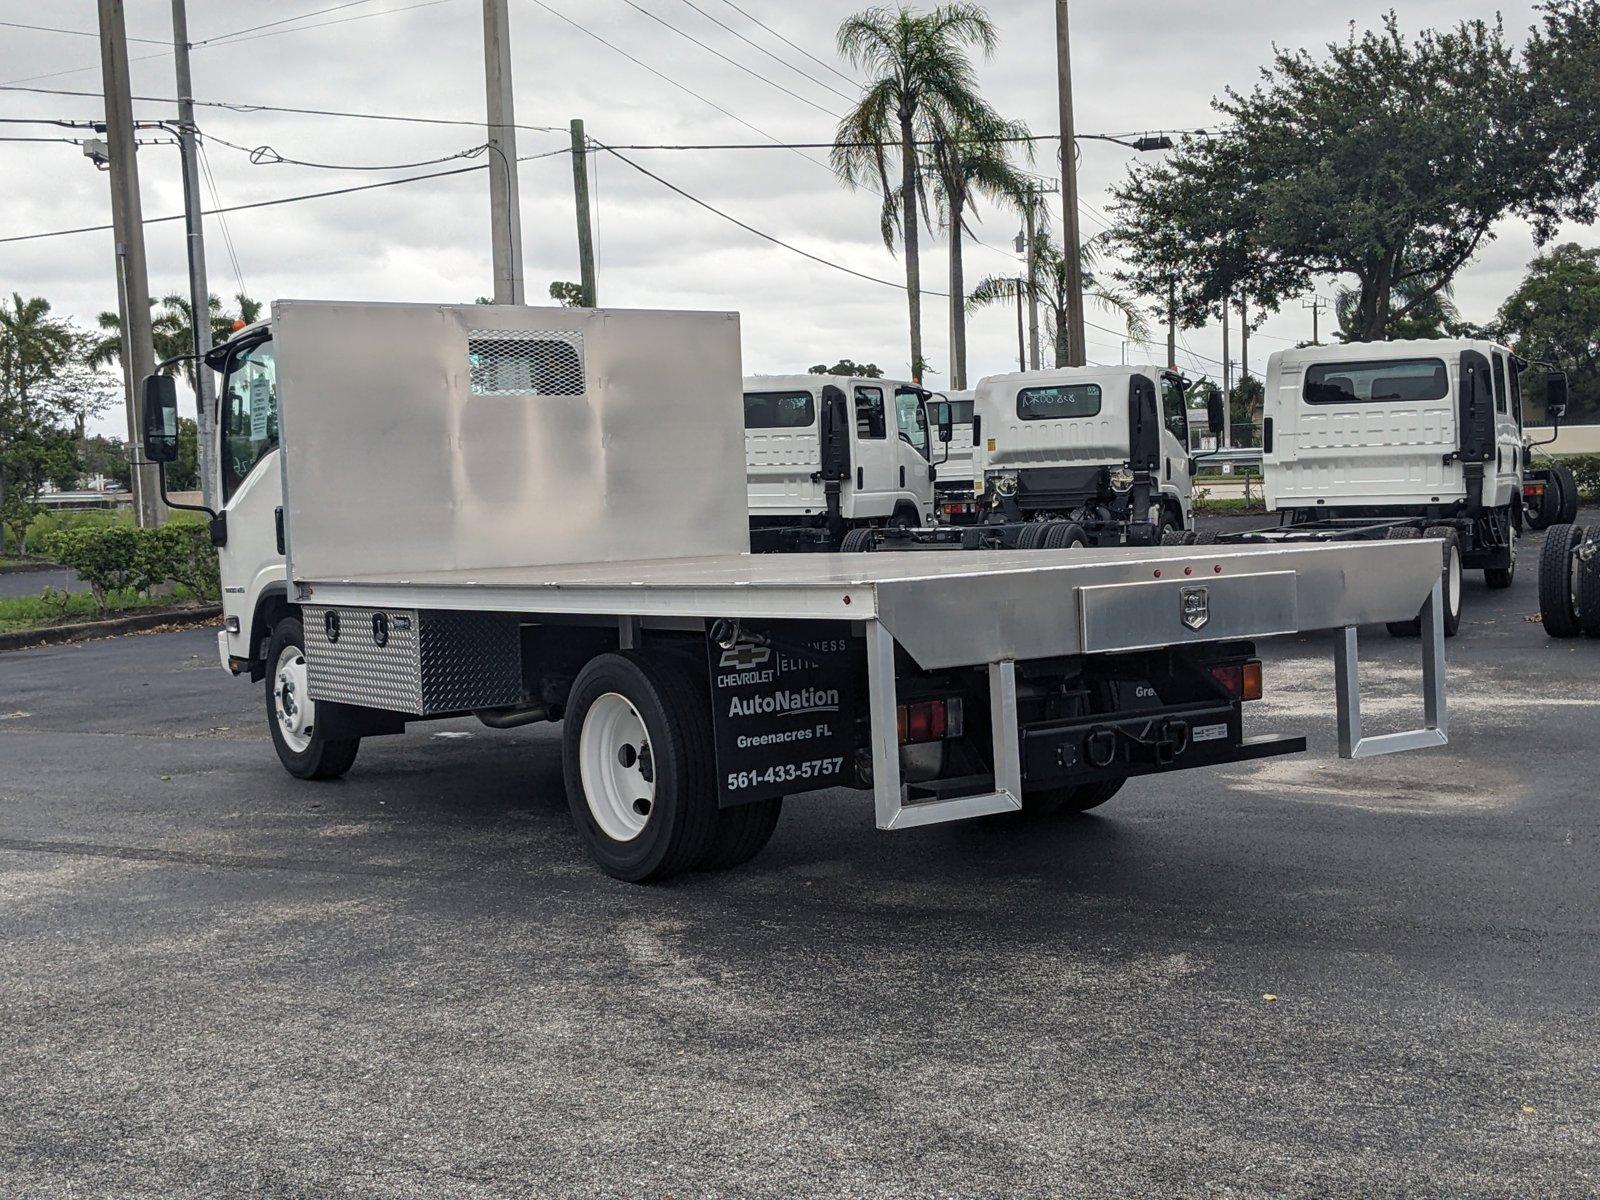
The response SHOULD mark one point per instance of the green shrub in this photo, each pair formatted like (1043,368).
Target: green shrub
(182,552)
(1586,467)
(110,559)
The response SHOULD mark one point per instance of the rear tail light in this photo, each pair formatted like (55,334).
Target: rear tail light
(1533,489)
(929,721)
(1241,681)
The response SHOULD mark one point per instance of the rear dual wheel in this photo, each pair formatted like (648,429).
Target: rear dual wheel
(640,771)
(1569,590)
(1449,578)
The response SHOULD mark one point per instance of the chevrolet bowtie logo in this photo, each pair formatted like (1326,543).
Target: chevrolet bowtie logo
(746,654)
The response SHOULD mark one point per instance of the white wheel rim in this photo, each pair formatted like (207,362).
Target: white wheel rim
(1453,580)
(292,706)
(617,767)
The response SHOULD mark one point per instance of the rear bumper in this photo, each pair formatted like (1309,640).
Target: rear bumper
(1065,754)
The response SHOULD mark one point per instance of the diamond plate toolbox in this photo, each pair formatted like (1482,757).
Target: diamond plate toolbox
(411,661)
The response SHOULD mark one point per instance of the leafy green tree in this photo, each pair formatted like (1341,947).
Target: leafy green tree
(33,347)
(1555,314)
(1564,113)
(921,86)
(1434,315)
(970,161)
(850,368)
(567,293)
(1049,287)
(1388,159)
(106,457)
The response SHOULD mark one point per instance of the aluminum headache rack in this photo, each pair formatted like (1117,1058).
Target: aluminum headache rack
(989,609)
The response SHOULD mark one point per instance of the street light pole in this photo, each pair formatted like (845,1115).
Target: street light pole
(127,219)
(1030,263)
(199,291)
(505,208)
(1076,351)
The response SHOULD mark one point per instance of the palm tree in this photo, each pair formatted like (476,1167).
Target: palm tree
(32,346)
(172,331)
(922,86)
(971,162)
(1419,308)
(1050,289)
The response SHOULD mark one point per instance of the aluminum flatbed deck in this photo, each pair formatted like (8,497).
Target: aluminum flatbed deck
(955,610)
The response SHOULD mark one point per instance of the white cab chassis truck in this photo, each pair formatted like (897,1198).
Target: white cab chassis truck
(1395,441)
(1071,457)
(956,500)
(528,515)
(825,455)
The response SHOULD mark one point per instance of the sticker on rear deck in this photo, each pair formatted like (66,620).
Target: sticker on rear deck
(783,710)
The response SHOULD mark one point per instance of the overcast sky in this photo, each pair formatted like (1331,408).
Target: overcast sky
(1138,64)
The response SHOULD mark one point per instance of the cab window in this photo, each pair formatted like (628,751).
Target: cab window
(249,413)
(779,410)
(1173,412)
(1056,403)
(1501,403)
(869,414)
(1393,380)
(912,419)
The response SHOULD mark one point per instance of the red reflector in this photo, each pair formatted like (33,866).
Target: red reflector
(929,721)
(1231,677)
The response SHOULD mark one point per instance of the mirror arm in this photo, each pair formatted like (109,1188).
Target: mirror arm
(161,477)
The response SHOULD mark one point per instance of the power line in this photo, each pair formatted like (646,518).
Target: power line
(233,208)
(242,107)
(280,21)
(267,156)
(748,228)
(88,33)
(775,58)
(792,45)
(681,87)
(733,62)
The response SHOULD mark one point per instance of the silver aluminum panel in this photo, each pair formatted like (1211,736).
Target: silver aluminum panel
(421,662)
(458,437)
(1175,612)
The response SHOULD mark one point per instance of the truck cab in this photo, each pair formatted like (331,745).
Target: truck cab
(827,454)
(955,498)
(1105,448)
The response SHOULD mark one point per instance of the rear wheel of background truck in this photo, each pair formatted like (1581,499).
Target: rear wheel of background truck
(1450,577)
(640,768)
(1568,512)
(858,541)
(291,713)
(1065,535)
(1586,589)
(1558,582)
(1499,578)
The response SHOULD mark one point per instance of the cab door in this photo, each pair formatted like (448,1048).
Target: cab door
(253,559)
(1508,433)
(916,450)
(1175,480)
(876,455)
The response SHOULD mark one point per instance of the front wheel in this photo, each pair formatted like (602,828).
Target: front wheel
(292,714)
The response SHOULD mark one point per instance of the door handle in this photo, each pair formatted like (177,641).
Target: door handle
(1266,436)
(902,476)
(277,518)
(861,479)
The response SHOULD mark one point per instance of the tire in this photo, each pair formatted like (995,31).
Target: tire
(291,714)
(1588,589)
(858,541)
(1065,535)
(1053,802)
(1033,535)
(742,833)
(1568,512)
(618,698)
(905,518)
(1413,627)
(1207,538)
(1558,601)
(1450,576)
(1174,537)
(1499,578)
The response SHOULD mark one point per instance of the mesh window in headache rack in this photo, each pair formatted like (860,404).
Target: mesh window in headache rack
(524,363)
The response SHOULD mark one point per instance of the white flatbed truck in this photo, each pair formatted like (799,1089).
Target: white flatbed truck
(538,514)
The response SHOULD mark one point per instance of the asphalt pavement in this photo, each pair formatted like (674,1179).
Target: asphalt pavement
(1302,977)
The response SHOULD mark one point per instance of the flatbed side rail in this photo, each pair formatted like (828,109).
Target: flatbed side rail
(888,794)
(1436,717)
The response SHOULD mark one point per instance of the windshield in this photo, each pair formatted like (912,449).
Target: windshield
(779,410)
(1396,380)
(912,418)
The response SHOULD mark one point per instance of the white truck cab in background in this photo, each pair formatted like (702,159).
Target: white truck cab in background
(956,500)
(826,454)
(1104,448)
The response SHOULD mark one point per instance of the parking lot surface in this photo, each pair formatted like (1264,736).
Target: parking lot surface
(1296,977)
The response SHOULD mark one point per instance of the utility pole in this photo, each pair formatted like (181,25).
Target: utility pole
(505,205)
(127,219)
(1076,350)
(580,195)
(1316,304)
(1022,350)
(1030,261)
(1227,366)
(199,291)
(1244,340)
(1172,323)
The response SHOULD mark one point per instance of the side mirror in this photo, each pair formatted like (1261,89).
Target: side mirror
(947,427)
(1555,395)
(159,406)
(1216,414)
